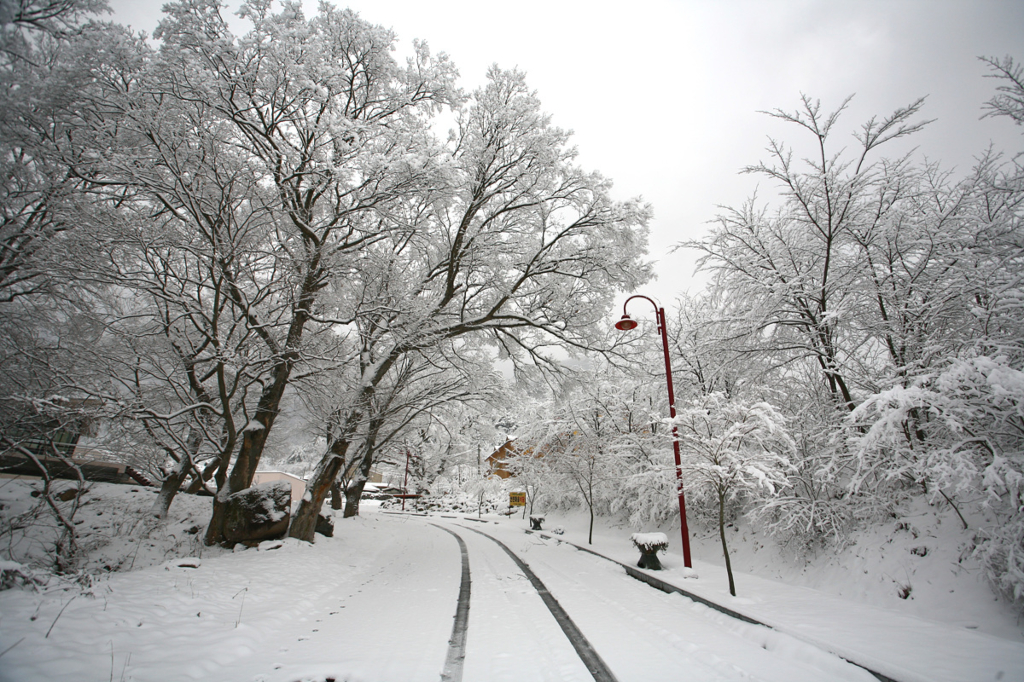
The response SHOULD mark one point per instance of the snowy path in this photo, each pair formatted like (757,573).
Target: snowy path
(377,603)
(641,633)
(512,635)
(456,658)
(895,645)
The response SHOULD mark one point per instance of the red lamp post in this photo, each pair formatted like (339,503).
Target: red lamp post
(625,324)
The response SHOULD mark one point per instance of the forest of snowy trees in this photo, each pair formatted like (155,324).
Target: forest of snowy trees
(859,346)
(202,233)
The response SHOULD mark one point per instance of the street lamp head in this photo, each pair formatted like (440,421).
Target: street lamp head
(626,323)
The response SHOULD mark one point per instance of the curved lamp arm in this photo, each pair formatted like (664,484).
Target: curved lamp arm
(627,323)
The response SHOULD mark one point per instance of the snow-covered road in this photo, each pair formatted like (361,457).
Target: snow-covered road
(376,603)
(641,633)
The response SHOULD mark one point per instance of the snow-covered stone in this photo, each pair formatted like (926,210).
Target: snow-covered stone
(258,513)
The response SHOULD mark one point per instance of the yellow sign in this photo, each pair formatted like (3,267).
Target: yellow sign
(517,499)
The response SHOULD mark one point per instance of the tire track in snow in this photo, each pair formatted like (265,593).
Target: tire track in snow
(453,664)
(591,659)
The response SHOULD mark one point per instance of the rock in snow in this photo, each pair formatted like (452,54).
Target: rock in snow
(258,513)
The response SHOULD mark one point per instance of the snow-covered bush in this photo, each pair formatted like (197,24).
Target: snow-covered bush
(958,434)
(13,574)
(115,529)
(800,521)
(1001,551)
(646,496)
(814,509)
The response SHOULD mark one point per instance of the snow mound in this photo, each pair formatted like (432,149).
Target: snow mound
(115,528)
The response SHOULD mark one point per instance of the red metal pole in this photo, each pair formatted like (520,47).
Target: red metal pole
(626,324)
(683,528)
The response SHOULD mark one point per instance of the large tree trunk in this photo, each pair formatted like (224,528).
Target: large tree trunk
(172,483)
(303,524)
(256,432)
(170,486)
(215,529)
(353,493)
(327,471)
(254,438)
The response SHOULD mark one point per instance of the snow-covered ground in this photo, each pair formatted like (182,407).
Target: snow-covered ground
(376,602)
(914,565)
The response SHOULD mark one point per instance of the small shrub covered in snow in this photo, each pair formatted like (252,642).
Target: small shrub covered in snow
(454,503)
(13,574)
(114,527)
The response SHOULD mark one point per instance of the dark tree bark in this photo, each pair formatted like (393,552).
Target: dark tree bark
(303,524)
(198,482)
(172,483)
(353,494)
(725,548)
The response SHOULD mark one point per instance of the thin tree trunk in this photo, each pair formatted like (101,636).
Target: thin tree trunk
(725,548)
(590,535)
(592,464)
(66,545)
(955,508)
(336,496)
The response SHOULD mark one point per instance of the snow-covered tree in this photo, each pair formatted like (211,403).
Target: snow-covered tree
(732,449)
(275,155)
(46,95)
(578,451)
(519,247)
(533,472)
(793,274)
(889,289)
(951,428)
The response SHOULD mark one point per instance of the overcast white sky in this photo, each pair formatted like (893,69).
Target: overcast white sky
(664,96)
